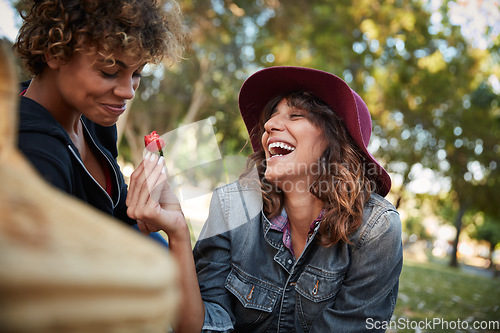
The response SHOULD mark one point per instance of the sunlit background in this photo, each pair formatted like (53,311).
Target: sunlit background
(428,70)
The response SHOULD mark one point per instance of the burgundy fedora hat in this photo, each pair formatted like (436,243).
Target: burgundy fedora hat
(270,82)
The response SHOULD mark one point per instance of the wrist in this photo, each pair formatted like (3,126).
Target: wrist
(180,232)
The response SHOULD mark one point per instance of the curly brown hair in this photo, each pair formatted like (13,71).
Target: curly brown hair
(342,181)
(149,30)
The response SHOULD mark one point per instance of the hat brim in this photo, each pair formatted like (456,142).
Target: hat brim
(268,83)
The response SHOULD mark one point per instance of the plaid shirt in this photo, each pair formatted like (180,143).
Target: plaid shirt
(282,224)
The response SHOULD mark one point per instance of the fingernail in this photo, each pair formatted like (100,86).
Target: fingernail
(164,169)
(153,157)
(147,155)
(160,160)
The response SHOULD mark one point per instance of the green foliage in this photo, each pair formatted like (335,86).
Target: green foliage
(431,290)
(487,229)
(413,226)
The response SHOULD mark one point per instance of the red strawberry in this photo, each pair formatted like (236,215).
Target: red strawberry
(154,143)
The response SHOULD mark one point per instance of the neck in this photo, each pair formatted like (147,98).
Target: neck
(302,209)
(44,90)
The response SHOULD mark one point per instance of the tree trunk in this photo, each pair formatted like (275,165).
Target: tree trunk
(458,226)
(492,250)
(406,180)
(198,97)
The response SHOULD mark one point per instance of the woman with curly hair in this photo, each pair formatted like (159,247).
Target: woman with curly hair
(304,241)
(85,58)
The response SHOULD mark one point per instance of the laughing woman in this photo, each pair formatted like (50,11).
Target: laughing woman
(85,59)
(317,248)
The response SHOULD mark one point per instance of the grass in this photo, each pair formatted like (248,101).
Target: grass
(433,291)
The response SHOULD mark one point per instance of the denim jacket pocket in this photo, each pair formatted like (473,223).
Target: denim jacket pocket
(316,289)
(257,298)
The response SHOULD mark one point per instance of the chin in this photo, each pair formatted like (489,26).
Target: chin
(270,176)
(274,176)
(107,122)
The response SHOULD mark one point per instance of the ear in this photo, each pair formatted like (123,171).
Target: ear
(52,61)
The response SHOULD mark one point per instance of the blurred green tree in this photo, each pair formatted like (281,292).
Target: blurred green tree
(487,229)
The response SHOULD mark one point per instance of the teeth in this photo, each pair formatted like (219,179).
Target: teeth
(277,155)
(281,145)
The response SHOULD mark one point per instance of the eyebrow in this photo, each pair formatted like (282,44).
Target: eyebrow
(120,63)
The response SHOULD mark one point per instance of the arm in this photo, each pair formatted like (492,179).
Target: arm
(235,212)
(213,257)
(155,207)
(370,288)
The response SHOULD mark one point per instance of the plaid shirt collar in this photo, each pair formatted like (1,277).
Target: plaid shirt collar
(282,224)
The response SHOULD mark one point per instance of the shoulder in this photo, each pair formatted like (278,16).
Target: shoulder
(378,204)
(43,141)
(238,196)
(41,148)
(50,157)
(381,221)
(232,206)
(238,186)
(40,135)
(34,118)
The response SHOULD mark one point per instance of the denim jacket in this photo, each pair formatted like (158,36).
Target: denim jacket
(250,282)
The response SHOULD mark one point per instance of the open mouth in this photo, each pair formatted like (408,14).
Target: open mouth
(280,149)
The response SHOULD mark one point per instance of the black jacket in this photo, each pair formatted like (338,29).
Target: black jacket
(49,148)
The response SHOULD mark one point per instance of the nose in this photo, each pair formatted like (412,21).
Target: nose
(274,123)
(126,87)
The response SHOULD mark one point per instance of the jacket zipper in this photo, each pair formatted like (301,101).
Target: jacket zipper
(88,173)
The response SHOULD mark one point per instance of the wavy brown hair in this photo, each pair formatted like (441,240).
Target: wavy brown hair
(342,182)
(149,30)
